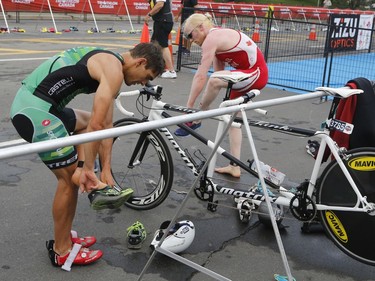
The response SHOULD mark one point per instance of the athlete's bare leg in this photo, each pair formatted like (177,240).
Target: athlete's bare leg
(235,139)
(235,135)
(64,208)
(82,119)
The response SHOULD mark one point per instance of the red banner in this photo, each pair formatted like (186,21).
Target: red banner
(139,7)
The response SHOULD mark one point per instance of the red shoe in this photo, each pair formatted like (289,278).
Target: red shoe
(86,242)
(78,255)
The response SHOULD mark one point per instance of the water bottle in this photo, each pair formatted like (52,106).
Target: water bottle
(269,173)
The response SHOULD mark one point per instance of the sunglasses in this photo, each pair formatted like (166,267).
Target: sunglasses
(190,35)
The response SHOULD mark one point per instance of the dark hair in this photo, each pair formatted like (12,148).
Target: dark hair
(153,53)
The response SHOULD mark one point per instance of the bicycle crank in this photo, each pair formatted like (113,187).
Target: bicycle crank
(301,205)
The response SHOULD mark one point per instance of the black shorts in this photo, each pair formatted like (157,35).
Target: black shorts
(36,125)
(161,32)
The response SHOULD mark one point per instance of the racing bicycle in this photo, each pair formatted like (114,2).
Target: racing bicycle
(341,197)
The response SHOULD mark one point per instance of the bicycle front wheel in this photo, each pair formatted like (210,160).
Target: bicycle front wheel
(352,232)
(143,162)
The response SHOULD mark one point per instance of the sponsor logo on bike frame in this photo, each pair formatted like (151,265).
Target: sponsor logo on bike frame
(336,226)
(362,163)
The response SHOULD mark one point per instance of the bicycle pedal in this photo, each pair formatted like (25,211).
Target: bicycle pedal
(212,206)
(245,208)
(244,202)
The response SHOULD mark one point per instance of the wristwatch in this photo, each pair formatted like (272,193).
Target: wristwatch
(149,15)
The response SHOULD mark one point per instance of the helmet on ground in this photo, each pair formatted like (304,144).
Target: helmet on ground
(179,237)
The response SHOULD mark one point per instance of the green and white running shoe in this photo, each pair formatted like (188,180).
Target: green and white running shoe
(136,235)
(109,197)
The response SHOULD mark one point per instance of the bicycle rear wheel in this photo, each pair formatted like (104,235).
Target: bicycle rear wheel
(147,169)
(352,232)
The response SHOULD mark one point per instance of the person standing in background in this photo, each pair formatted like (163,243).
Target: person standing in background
(187,9)
(161,13)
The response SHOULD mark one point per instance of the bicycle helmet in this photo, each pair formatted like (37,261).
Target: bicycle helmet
(179,237)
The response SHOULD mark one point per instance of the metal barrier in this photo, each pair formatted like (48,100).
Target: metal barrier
(29,148)
(297,52)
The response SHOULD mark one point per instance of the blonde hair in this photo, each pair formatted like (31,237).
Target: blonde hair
(197,19)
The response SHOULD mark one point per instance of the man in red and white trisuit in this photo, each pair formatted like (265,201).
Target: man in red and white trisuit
(221,46)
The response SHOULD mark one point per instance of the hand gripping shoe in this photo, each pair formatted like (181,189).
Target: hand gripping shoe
(109,197)
(78,255)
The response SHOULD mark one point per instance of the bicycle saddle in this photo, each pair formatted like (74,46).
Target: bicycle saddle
(233,77)
(343,92)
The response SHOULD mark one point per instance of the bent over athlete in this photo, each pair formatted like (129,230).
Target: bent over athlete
(39,113)
(221,46)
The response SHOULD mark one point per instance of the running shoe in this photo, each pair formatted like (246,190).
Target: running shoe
(169,74)
(183,133)
(109,197)
(136,235)
(83,257)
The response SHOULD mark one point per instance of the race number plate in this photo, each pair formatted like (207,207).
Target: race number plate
(341,126)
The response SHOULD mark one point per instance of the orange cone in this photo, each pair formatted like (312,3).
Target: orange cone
(312,35)
(256,36)
(145,36)
(177,40)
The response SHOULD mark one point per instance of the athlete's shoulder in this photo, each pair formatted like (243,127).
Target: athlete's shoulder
(79,51)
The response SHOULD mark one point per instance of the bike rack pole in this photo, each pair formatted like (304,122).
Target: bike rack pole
(268,201)
(196,181)
(29,148)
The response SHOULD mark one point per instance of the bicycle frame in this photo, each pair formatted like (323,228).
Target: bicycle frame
(341,196)
(158,111)
(326,140)
(361,200)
